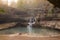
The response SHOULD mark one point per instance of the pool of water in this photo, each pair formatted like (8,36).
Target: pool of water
(35,30)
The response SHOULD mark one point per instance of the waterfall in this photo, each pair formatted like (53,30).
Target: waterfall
(30,24)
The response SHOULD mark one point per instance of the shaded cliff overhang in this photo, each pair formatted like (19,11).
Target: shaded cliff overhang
(56,3)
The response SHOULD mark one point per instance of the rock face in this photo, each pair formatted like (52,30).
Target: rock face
(10,16)
(56,3)
(15,15)
(50,24)
(7,25)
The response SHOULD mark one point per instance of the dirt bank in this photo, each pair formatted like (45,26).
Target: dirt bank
(28,38)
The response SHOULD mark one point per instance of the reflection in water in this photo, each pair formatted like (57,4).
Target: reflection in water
(29,27)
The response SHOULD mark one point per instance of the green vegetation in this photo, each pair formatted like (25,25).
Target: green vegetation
(21,5)
(2,10)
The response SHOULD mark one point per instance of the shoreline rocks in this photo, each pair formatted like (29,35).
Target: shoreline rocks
(7,25)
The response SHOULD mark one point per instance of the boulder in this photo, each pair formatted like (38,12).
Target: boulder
(56,3)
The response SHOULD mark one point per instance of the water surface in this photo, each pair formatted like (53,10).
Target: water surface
(35,30)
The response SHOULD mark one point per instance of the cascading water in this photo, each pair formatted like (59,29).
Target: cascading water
(30,24)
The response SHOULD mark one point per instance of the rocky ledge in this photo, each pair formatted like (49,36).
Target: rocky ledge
(7,25)
(47,24)
(50,24)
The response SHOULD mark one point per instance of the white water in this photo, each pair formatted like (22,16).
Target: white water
(30,24)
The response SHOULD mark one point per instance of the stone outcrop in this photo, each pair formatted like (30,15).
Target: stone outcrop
(7,25)
(56,3)
(15,15)
(50,24)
